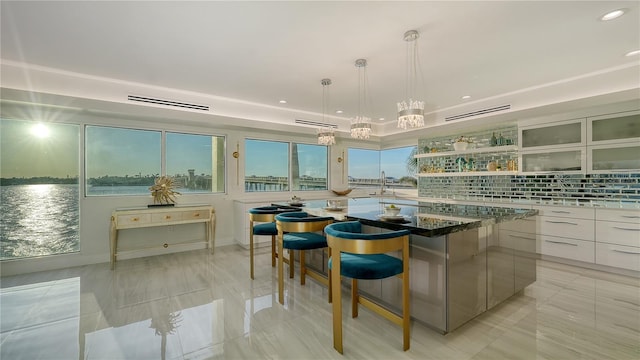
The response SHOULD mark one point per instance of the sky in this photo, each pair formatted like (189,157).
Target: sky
(118,152)
(24,153)
(54,151)
(369,164)
(266,158)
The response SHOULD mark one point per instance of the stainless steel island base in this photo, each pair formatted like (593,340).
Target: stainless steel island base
(458,276)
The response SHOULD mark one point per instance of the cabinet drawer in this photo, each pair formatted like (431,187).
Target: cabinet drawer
(526,225)
(133,220)
(570,228)
(165,217)
(618,233)
(630,216)
(626,257)
(518,241)
(195,215)
(568,248)
(568,212)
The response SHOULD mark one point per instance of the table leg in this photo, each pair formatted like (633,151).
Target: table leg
(212,231)
(113,242)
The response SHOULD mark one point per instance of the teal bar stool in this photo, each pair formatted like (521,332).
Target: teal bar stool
(265,217)
(363,256)
(300,231)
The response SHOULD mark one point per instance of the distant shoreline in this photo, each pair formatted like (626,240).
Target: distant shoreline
(37,181)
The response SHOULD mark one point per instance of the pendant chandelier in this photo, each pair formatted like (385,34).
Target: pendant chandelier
(411,112)
(326,134)
(361,124)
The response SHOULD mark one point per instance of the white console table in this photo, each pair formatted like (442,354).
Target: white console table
(132,218)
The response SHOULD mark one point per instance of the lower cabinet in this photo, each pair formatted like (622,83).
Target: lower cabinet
(520,236)
(626,257)
(617,238)
(568,248)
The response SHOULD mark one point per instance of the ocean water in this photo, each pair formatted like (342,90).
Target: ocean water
(38,220)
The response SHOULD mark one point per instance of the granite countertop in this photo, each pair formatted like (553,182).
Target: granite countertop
(419,217)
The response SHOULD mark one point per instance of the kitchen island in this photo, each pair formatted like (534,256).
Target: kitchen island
(461,264)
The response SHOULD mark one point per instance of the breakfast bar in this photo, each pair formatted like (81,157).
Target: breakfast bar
(461,263)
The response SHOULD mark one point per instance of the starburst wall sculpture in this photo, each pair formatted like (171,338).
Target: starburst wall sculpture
(163,191)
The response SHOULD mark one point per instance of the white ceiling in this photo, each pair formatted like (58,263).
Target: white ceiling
(237,55)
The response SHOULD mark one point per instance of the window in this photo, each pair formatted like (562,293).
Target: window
(127,161)
(309,169)
(196,162)
(267,166)
(39,188)
(121,161)
(366,168)
(399,167)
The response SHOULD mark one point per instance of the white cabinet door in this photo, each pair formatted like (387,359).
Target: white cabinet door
(560,134)
(620,233)
(626,257)
(620,215)
(581,229)
(614,128)
(565,160)
(568,248)
(566,212)
(624,157)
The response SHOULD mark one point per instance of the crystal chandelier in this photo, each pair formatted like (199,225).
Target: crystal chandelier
(326,134)
(411,112)
(361,125)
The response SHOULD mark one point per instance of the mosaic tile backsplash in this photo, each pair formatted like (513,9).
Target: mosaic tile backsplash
(574,189)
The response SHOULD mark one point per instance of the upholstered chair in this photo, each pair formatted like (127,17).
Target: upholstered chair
(300,231)
(262,222)
(363,256)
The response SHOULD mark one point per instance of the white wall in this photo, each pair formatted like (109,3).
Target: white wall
(95,211)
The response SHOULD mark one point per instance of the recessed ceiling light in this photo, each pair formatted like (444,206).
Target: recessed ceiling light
(283,101)
(631,53)
(613,14)
(339,111)
(466,97)
(381,119)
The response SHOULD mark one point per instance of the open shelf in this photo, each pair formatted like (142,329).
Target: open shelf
(468,173)
(492,149)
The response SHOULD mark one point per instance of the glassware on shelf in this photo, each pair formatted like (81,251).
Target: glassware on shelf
(494,140)
(492,165)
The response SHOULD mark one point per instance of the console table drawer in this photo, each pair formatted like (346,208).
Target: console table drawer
(166,217)
(133,220)
(195,215)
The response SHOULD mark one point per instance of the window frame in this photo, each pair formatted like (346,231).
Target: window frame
(289,184)
(163,157)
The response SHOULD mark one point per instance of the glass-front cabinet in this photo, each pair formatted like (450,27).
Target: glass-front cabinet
(614,143)
(614,158)
(553,147)
(564,160)
(553,135)
(614,128)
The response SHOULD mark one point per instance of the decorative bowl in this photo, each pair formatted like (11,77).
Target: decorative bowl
(391,211)
(341,192)
(460,145)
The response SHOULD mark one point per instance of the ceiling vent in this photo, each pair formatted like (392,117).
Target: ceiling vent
(179,104)
(478,112)
(316,124)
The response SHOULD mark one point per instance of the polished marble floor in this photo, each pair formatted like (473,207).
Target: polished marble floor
(195,305)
